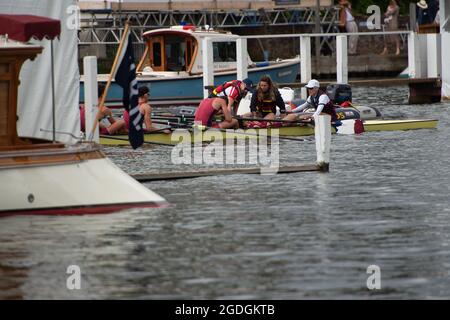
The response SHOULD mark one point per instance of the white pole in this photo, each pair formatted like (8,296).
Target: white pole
(91,95)
(242,59)
(434,55)
(208,65)
(414,59)
(305,63)
(341,59)
(444,11)
(445,65)
(323,140)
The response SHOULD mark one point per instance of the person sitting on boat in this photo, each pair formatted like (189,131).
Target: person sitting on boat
(317,100)
(233,92)
(113,125)
(146,110)
(209,108)
(266,99)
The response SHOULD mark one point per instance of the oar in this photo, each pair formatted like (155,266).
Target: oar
(171,115)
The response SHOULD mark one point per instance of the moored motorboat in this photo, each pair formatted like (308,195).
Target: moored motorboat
(172,66)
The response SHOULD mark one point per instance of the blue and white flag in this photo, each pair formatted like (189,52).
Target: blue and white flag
(126,78)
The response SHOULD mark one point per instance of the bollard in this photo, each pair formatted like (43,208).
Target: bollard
(323,141)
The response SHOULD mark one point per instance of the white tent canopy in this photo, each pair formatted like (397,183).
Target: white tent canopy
(35,96)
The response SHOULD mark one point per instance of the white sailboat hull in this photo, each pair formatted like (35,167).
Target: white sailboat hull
(81,187)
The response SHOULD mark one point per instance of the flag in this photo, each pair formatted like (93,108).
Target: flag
(126,78)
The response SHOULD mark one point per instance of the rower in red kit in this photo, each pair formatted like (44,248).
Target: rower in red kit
(233,92)
(210,107)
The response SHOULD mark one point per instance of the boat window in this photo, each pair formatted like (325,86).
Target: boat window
(157,54)
(175,53)
(224,51)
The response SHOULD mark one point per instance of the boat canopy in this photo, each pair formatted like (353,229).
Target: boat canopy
(169,51)
(24,27)
(178,50)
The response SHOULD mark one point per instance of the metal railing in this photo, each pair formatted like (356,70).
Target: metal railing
(103,27)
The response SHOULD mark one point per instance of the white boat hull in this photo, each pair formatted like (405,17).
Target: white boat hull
(81,187)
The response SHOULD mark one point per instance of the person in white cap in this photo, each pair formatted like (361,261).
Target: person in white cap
(317,100)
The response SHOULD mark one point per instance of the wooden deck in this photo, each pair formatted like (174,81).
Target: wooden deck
(148,177)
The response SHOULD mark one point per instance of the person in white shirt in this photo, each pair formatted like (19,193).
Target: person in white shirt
(317,100)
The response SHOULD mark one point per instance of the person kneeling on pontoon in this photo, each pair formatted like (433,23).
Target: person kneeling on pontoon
(317,100)
(209,108)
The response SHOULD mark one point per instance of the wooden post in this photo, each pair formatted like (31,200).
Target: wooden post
(305,63)
(91,95)
(341,59)
(242,59)
(208,65)
(323,141)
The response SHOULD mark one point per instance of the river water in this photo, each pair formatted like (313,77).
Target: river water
(385,202)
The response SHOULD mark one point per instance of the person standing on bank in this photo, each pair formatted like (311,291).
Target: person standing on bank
(266,99)
(347,22)
(391,21)
(317,100)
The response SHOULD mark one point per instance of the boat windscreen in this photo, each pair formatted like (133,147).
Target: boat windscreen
(175,49)
(224,51)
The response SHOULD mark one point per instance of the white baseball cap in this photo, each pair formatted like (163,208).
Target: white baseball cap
(313,84)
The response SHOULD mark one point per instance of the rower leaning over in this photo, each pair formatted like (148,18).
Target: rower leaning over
(233,92)
(209,108)
(317,100)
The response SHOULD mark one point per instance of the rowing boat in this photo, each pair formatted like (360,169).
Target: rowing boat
(192,136)
(398,125)
(210,135)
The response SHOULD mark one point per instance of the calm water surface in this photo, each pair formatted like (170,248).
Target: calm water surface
(386,202)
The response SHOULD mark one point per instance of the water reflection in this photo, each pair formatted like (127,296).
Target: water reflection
(385,202)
